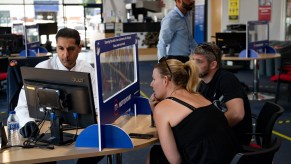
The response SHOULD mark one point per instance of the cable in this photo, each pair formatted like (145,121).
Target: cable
(76,116)
(32,142)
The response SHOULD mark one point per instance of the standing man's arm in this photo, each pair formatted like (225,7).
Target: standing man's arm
(165,37)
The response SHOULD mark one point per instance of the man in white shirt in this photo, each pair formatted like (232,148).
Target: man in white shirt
(68,49)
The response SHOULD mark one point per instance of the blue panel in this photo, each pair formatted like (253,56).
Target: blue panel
(114,104)
(142,105)
(88,137)
(248,53)
(112,137)
(199,24)
(46,8)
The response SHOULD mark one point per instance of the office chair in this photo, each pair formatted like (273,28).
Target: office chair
(264,156)
(3,70)
(14,78)
(284,75)
(264,124)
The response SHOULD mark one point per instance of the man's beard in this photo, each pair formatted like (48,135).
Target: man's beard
(205,73)
(202,75)
(188,7)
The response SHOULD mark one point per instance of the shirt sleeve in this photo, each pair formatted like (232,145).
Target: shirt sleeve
(165,37)
(22,109)
(231,88)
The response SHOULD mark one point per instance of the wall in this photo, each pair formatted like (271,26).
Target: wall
(249,11)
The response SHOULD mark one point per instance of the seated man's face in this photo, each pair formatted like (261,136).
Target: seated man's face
(68,51)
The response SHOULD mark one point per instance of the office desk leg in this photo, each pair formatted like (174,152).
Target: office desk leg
(256,95)
(114,159)
(256,80)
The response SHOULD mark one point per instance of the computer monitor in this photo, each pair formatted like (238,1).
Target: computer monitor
(32,36)
(231,43)
(18,29)
(47,28)
(5,30)
(66,95)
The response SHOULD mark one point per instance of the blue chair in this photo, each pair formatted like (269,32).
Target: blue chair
(33,52)
(29,53)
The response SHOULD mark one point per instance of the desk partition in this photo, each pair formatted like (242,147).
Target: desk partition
(118,88)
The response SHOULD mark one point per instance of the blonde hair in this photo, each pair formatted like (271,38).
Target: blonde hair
(183,74)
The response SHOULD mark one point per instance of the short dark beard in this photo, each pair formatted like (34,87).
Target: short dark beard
(187,7)
(202,75)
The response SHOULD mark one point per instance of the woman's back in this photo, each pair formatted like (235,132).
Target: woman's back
(204,136)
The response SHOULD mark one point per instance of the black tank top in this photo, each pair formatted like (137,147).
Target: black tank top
(204,136)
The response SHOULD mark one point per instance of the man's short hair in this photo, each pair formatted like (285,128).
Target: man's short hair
(211,51)
(69,33)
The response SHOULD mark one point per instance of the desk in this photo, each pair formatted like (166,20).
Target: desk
(37,55)
(138,124)
(256,95)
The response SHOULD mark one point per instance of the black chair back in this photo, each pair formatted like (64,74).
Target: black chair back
(264,156)
(14,78)
(265,123)
(3,64)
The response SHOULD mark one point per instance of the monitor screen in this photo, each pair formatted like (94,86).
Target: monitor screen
(5,30)
(47,28)
(32,36)
(231,43)
(64,93)
(257,35)
(18,29)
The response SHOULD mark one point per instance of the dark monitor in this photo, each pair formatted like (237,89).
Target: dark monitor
(47,28)
(65,95)
(5,30)
(231,43)
(11,44)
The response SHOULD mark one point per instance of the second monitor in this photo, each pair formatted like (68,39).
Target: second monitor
(231,43)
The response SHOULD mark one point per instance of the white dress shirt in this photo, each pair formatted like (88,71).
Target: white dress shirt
(53,63)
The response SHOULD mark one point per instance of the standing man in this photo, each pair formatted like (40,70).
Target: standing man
(175,39)
(224,90)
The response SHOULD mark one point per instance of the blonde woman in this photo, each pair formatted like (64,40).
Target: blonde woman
(190,128)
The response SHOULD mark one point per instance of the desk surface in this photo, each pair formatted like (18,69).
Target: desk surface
(260,57)
(37,55)
(139,124)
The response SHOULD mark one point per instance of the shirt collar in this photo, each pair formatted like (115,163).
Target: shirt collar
(179,12)
(62,67)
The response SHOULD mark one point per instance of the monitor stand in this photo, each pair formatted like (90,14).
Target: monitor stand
(57,136)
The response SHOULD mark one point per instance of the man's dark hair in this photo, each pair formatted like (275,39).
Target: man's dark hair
(69,33)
